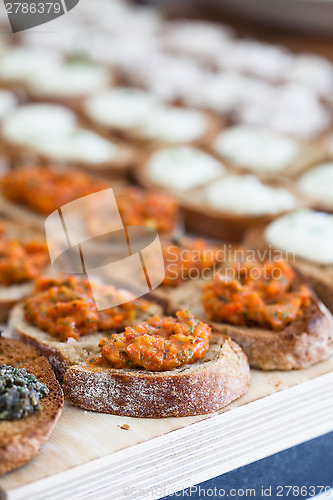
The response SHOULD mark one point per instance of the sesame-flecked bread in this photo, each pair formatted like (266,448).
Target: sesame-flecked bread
(61,354)
(20,440)
(205,386)
(302,343)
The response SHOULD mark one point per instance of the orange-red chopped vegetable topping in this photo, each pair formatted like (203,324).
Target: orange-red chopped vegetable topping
(157,344)
(256,294)
(65,308)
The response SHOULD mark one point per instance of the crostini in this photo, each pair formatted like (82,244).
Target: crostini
(165,367)
(45,132)
(32,193)
(24,256)
(140,117)
(61,319)
(26,417)
(306,236)
(264,306)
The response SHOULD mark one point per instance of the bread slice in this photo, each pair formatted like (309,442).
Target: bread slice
(60,354)
(203,387)
(137,137)
(10,295)
(117,167)
(306,341)
(202,218)
(20,440)
(319,276)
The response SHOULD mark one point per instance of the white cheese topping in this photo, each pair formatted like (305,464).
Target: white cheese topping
(183,168)
(52,130)
(174,124)
(69,79)
(196,38)
(22,63)
(256,148)
(246,195)
(121,107)
(317,183)
(78,145)
(8,102)
(34,122)
(307,233)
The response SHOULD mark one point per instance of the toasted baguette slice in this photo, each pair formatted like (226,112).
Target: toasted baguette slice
(60,354)
(20,440)
(206,386)
(319,276)
(10,295)
(306,341)
(117,167)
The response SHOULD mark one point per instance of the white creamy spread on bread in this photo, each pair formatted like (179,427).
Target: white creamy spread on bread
(196,38)
(256,148)
(79,145)
(51,130)
(174,124)
(307,233)
(182,168)
(122,107)
(69,79)
(34,122)
(22,63)
(8,102)
(317,183)
(246,195)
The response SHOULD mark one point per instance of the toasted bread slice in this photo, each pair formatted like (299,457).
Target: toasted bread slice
(117,167)
(223,223)
(306,341)
(319,276)
(60,354)
(10,295)
(20,440)
(203,387)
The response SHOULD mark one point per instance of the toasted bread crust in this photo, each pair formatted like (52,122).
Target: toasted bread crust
(320,277)
(20,440)
(206,386)
(306,341)
(62,355)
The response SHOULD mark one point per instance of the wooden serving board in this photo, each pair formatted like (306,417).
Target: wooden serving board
(90,454)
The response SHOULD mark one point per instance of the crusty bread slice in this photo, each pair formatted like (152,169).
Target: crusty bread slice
(201,218)
(137,137)
(20,440)
(203,387)
(319,276)
(10,295)
(306,341)
(116,167)
(60,354)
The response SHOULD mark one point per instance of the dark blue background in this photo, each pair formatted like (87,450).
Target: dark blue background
(309,464)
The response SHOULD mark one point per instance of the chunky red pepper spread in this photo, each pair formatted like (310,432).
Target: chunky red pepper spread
(65,308)
(256,294)
(157,344)
(140,208)
(187,259)
(20,262)
(44,189)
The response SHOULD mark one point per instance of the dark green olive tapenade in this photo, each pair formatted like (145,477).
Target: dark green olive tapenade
(20,393)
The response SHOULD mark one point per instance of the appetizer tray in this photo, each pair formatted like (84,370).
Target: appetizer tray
(114,457)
